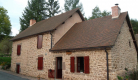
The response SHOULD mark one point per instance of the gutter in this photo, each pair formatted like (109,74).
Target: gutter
(100,47)
(107,64)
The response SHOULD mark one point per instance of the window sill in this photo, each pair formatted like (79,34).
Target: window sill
(79,73)
(40,70)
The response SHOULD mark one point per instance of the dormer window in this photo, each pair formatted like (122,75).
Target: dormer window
(39,41)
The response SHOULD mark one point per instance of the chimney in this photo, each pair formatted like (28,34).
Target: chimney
(32,22)
(115,11)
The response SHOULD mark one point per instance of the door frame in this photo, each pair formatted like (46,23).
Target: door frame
(57,67)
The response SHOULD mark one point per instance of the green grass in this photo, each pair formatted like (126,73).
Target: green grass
(5,60)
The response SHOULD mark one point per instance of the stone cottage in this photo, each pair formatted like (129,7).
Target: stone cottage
(66,47)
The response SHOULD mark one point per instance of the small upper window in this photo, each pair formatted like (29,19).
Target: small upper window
(129,44)
(39,41)
(18,49)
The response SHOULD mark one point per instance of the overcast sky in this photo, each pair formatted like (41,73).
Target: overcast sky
(16,7)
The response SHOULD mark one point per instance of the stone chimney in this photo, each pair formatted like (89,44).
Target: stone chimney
(115,11)
(32,22)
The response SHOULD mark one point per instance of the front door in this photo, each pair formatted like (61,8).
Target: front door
(59,67)
(18,68)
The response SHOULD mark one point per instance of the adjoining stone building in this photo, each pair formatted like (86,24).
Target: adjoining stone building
(69,48)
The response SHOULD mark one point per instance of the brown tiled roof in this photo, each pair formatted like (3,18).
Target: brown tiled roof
(46,25)
(100,32)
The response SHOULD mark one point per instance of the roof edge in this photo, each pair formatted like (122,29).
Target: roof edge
(132,32)
(31,35)
(120,29)
(100,47)
(79,12)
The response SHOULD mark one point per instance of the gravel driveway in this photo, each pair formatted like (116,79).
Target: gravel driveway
(8,75)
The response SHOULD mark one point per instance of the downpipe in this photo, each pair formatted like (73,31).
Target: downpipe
(107,64)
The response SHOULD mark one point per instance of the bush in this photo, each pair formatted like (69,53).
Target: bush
(134,75)
(4,60)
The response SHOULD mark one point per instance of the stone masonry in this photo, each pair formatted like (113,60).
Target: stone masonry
(122,55)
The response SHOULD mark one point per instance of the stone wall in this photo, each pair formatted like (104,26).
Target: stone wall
(97,64)
(123,54)
(29,56)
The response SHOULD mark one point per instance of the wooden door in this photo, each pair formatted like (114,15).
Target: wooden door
(18,68)
(59,67)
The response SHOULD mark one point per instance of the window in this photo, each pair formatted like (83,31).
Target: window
(82,64)
(39,41)
(18,50)
(40,63)
(129,44)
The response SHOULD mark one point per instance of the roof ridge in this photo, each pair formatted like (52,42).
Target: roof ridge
(41,26)
(58,15)
(99,17)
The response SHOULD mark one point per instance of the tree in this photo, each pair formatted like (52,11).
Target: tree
(96,13)
(105,13)
(134,23)
(72,4)
(5,25)
(6,45)
(36,9)
(52,8)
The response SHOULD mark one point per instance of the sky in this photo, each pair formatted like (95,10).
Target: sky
(15,9)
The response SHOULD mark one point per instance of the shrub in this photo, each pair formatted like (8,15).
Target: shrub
(120,78)
(134,75)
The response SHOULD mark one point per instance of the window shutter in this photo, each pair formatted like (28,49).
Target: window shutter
(86,65)
(72,62)
(39,41)
(18,49)
(40,63)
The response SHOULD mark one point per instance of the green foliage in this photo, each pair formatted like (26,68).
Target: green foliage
(134,23)
(134,75)
(6,46)
(5,55)
(5,25)
(96,13)
(5,60)
(120,78)
(6,66)
(52,8)
(105,13)
(36,9)
(72,4)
